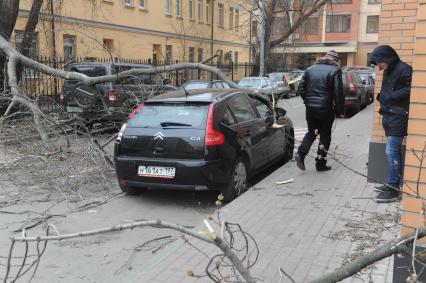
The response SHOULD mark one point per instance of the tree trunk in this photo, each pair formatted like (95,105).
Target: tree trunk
(8,14)
(30,27)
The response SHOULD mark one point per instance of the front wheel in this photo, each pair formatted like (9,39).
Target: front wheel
(238,181)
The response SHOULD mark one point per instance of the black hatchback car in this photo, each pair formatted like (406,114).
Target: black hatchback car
(201,139)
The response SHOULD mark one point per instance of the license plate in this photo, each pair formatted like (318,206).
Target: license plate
(156,172)
(74,109)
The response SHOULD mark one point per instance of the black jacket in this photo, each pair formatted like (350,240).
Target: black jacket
(322,90)
(394,95)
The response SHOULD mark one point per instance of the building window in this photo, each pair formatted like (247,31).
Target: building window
(33,48)
(69,47)
(168,7)
(169,54)
(341,1)
(208,15)
(142,4)
(338,23)
(228,56)
(237,19)
(220,15)
(178,8)
(310,26)
(191,54)
(191,9)
(200,55)
(374,1)
(231,18)
(254,28)
(200,10)
(127,2)
(108,44)
(372,24)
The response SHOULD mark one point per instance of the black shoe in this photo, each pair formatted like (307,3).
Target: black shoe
(322,167)
(300,161)
(383,188)
(388,196)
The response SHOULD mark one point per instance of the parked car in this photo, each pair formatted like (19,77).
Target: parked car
(206,139)
(368,81)
(110,100)
(356,96)
(261,83)
(202,84)
(281,82)
(298,73)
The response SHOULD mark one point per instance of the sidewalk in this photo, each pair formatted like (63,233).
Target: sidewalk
(307,227)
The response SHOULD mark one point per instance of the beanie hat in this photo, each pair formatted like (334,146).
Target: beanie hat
(332,55)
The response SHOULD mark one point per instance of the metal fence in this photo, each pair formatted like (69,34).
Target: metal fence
(46,89)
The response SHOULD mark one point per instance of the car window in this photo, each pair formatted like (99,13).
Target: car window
(88,70)
(157,115)
(196,85)
(262,107)
(228,119)
(250,82)
(218,85)
(242,109)
(225,85)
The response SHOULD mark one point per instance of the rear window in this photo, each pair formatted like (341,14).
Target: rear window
(170,115)
(88,70)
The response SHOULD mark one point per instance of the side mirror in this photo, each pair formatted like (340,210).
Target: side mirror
(280,111)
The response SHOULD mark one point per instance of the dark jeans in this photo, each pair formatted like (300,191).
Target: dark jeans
(323,128)
(393,154)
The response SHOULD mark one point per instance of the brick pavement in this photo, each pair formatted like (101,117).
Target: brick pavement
(307,227)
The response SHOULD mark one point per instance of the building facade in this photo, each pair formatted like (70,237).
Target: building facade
(160,30)
(349,27)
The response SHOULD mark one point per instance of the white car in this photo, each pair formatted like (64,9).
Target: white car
(258,84)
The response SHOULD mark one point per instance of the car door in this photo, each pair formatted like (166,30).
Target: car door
(251,130)
(276,139)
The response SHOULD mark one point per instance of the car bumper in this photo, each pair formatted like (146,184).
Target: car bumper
(189,174)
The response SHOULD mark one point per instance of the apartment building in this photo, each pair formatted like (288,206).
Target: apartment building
(160,30)
(349,27)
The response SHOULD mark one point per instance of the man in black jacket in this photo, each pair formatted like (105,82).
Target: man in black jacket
(322,91)
(394,100)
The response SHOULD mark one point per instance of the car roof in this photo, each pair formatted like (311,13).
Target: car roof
(195,95)
(202,81)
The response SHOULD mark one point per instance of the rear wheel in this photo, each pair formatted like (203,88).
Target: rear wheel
(238,181)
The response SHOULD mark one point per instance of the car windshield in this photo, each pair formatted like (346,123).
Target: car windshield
(170,115)
(364,77)
(196,85)
(276,77)
(88,70)
(250,82)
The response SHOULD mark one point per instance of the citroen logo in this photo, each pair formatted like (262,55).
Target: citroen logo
(159,135)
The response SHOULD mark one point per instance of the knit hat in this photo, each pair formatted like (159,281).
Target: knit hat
(332,55)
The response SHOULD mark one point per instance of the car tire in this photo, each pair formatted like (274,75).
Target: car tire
(237,181)
(132,191)
(289,147)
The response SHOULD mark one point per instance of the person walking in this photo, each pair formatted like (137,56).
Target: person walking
(394,98)
(321,89)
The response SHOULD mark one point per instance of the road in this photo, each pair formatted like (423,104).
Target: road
(119,256)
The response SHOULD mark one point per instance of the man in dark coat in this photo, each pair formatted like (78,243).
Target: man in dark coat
(321,89)
(394,100)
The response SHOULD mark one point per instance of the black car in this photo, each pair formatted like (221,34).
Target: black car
(203,84)
(356,96)
(110,100)
(199,140)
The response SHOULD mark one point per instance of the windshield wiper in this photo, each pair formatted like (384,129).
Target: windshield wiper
(168,124)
